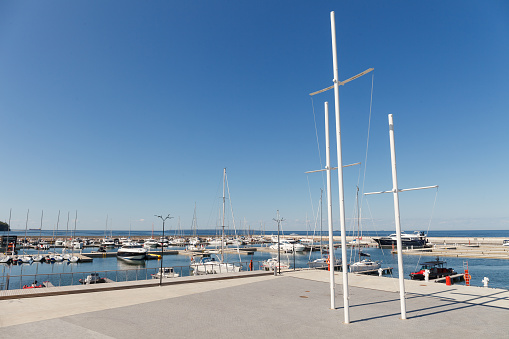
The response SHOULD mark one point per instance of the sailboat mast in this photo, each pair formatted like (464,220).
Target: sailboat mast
(340,172)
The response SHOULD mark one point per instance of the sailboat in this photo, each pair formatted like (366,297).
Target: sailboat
(364,264)
(211,265)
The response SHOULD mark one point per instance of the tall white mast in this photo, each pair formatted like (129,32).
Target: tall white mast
(340,172)
(395,191)
(329,210)
(397,219)
(336,85)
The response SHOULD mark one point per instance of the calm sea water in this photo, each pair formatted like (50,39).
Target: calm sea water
(497,270)
(121,233)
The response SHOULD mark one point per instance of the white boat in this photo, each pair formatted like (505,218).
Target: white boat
(364,265)
(132,251)
(212,266)
(272,263)
(323,262)
(150,243)
(168,272)
(38,258)
(289,247)
(506,242)
(217,243)
(26,259)
(5,259)
(108,242)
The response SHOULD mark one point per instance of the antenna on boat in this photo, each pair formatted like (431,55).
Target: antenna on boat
(336,85)
(395,190)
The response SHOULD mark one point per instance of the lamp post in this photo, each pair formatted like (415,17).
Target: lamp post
(162,248)
(278,220)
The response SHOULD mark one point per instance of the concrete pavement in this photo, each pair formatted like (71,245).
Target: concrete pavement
(295,305)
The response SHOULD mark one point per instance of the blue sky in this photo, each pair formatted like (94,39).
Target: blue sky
(130,109)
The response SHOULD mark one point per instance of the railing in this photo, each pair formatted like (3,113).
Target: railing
(73,278)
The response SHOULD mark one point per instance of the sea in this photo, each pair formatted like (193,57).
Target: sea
(15,276)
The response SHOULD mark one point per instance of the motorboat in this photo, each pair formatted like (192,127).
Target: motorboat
(212,266)
(436,270)
(217,243)
(150,243)
(168,272)
(273,263)
(414,240)
(323,263)
(108,243)
(132,251)
(289,246)
(364,265)
(34,285)
(92,278)
(505,242)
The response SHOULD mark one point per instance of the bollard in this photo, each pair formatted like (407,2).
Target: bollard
(485,281)
(448,281)
(380,272)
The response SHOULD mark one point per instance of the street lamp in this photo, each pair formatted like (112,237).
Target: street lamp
(278,220)
(162,248)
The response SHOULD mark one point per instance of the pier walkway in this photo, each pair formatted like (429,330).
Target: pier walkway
(293,305)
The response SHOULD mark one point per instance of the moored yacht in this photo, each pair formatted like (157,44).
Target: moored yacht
(407,240)
(364,265)
(132,251)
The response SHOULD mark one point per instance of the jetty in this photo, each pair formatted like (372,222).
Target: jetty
(462,250)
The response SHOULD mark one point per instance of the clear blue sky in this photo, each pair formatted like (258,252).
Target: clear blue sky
(133,108)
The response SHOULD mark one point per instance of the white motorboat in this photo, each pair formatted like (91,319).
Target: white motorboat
(168,272)
(288,246)
(132,251)
(323,263)
(108,243)
(217,243)
(213,266)
(150,243)
(272,263)
(365,265)
(506,242)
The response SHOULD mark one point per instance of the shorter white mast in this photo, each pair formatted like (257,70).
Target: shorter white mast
(395,192)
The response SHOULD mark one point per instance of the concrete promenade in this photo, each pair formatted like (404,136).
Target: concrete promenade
(293,305)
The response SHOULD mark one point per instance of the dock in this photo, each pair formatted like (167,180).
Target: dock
(462,251)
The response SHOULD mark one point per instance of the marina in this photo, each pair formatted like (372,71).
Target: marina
(486,257)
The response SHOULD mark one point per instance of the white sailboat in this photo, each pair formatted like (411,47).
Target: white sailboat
(211,265)
(363,265)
